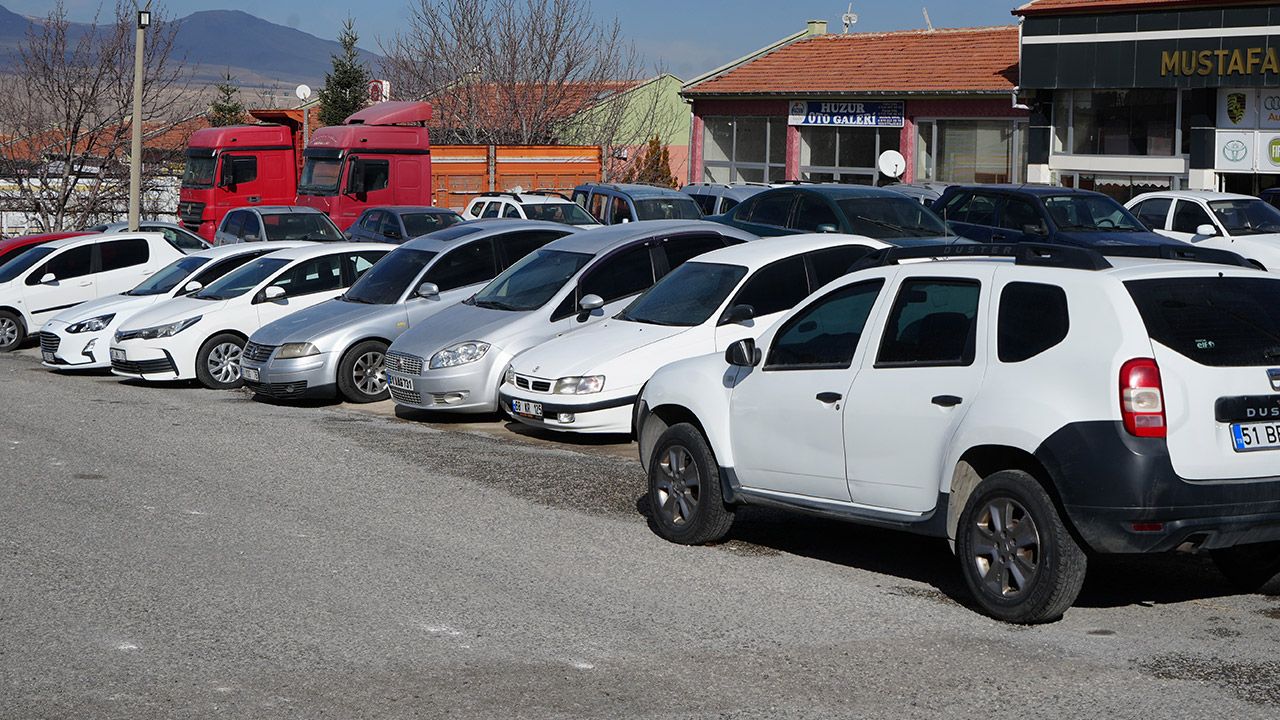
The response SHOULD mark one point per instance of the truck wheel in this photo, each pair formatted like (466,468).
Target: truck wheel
(1018,559)
(685,494)
(12,331)
(1250,568)
(218,362)
(362,377)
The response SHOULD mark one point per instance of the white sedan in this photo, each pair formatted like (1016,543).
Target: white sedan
(202,336)
(588,381)
(79,338)
(1243,224)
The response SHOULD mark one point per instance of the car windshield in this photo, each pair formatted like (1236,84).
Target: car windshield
(300,226)
(168,278)
(686,296)
(530,283)
(1090,213)
(416,224)
(562,212)
(668,209)
(23,262)
(890,217)
(386,281)
(199,172)
(320,176)
(242,279)
(1246,217)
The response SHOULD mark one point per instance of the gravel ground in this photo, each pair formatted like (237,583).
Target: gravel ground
(172,552)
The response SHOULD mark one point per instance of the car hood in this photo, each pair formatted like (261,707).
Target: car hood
(317,321)
(615,348)
(1100,238)
(111,304)
(173,310)
(460,323)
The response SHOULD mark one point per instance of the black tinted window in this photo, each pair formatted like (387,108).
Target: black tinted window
(626,273)
(933,322)
(234,222)
(680,249)
(72,263)
(1220,322)
(312,276)
(775,287)
(1153,212)
(772,209)
(1187,216)
(119,254)
(831,263)
(1017,214)
(813,212)
(375,174)
(470,264)
(706,203)
(826,333)
(980,210)
(727,204)
(517,245)
(1033,318)
(252,229)
(218,269)
(244,169)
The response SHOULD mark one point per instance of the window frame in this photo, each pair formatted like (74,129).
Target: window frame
(770,171)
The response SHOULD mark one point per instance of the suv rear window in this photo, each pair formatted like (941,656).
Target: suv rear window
(1215,321)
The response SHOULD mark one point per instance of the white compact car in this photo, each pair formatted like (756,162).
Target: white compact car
(79,338)
(588,381)
(201,336)
(540,205)
(50,278)
(1242,224)
(1030,411)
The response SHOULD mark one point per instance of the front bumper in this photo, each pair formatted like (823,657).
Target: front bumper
(292,379)
(470,388)
(597,413)
(1122,495)
(146,362)
(61,350)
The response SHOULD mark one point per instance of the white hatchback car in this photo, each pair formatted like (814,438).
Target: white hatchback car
(1242,224)
(588,381)
(202,336)
(50,278)
(549,206)
(79,338)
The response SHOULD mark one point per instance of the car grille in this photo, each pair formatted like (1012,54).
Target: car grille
(257,353)
(407,397)
(191,213)
(49,342)
(524,382)
(144,367)
(278,390)
(403,363)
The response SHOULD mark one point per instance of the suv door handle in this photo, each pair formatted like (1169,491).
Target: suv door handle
(829,397)
(946,400)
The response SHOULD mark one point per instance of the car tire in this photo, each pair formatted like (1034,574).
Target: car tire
(685,494)
(218,362)
(1018,558)
(12,331)
(362,370)
(1250,568)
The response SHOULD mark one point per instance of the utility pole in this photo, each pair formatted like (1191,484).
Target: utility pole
(135,148)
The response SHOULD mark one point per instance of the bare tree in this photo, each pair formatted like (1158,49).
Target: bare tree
(65,122)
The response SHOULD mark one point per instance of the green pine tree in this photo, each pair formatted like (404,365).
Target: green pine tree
(344,88)
(226,108)
(653,166)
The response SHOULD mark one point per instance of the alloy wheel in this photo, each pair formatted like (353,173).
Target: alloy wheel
(678,486)
(8,331)
(224,362)
(369,373)
(1006,548)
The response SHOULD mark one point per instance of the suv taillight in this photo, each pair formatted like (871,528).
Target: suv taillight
(1142,398)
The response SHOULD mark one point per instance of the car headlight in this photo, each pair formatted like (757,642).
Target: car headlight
(92,324)
(580,385)
(297,350)
(460,354)
(509,377)
(159,331)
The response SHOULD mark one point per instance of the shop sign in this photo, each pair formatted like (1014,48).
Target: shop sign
(1219,63)
(857,113)
(1270,160)
(1248,108)
(1233,151)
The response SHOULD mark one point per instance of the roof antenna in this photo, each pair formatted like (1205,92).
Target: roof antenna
(927,22)
(849,18)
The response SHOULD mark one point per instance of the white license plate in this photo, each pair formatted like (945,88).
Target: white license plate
(1247,437)
(117,355)
(47,356)
(526,408)
(400,383)
(250,374)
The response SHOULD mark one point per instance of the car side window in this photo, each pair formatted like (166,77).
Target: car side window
(73,263)
(179,239)
(830,263)
(1017,214)
(1188,215)
(390,226)
(933,322)
(727,204)
(681,248)
(470,264)
(252,229)
(812,212)
(598,202)
(358,263)
(618,211)
(120,254)
(980,210)
(312,276)
(491,210)
(825,334)
(234,222)
(511,211)
(375,174)
(580,197)
(516,245)
(706,202)
(1033,318)
(950,210)
(370,220)
(772,209)
(244,169)
(1154,213)
(624,274)
(218,269)
(775,287)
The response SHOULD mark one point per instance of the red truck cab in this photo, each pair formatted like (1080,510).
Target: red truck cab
(378,156)
(235,166)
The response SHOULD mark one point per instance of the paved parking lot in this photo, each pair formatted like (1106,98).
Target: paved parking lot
(175,552)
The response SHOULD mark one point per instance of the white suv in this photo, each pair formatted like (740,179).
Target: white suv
(537,205)
(1028,410)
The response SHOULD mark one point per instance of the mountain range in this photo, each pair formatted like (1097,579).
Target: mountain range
(258,53)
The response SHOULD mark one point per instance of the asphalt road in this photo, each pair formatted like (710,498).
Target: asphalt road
(172,552)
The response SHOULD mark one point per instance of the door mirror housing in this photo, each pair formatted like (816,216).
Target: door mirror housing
(828,228)
(743,353)
(250,238)
(737,314)
(48,278)
(193,286)
(1206,230)
(392,235)
(1035,229)
(590,302)
(428,290)
(273,292)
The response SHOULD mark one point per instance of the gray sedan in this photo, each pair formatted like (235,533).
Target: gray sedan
(337,347)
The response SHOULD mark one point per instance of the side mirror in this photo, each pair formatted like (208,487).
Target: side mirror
(273,292)
(743,353)
(591,302)
(50,277)
(355,178)
(250,238)
(392,234)
(1035,229)
(1206,230)
(737,314)
(828,228)
(193,286)
(428,290)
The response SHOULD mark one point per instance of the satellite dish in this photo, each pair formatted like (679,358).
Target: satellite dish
(303,92)
(892,163)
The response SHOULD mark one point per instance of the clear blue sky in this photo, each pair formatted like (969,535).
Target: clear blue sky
(687,36)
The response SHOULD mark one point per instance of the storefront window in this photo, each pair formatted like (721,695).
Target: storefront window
(1123,122)
(846,155)
(970,151)
(744,149)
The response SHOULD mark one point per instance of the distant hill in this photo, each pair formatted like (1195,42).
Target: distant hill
(257,52)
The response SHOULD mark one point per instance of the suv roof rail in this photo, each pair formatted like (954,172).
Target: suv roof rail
(1190,253)
(548,191)
(1038,254)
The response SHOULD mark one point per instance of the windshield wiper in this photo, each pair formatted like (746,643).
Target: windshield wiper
(356,299)
(494,305)
(208,297)
(883,224)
